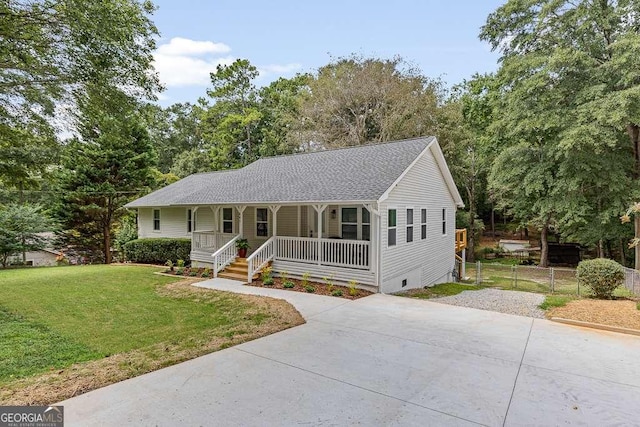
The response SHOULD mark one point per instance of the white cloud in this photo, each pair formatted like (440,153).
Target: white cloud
(179,46)
(279,69)
(182,62)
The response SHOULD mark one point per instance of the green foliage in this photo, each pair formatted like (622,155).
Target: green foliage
(353,288)
(205,274)
(551,301)
(289,284)
(329,282)
(267,281)
(242,244)
(336,293)
(126,232)
(193,273)
(310,289)
(180,271)
(601,275)
(355,100)
(104,168)
(157,251)
(190,162)
(267,273)
(305,279)
(169,264)
(20,226)
(180,263)
(55,317)
(52,51)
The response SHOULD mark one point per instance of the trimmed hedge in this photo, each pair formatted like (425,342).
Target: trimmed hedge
(602,275)
(157,251)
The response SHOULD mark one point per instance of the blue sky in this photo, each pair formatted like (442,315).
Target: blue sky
(282,37)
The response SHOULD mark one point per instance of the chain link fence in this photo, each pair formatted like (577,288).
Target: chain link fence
(553,280)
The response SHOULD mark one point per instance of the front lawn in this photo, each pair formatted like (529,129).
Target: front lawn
(441,290)
(66,330)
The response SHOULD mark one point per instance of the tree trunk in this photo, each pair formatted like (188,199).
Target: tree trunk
(623,258)
(493,222)
(634,135)
(106,236)
(600,249)
(544,244)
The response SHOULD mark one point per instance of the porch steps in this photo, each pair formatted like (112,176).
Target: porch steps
(237,270)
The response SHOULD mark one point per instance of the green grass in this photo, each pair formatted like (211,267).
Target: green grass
(638,306)
(551,301)
(54,317)
(441,290)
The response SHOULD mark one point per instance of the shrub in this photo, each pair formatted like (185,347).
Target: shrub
(336,293)
(205,274)
(180,263)
(180,271)
(329,282)
(289,284)
(267,274)
(169,264)
(305,279)
(268,281)
(157,251)
(310,289)
(601,275)
(193,273)
(353,290)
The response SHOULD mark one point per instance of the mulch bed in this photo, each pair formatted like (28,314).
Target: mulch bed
(620,313)
(190,272)
(318,288)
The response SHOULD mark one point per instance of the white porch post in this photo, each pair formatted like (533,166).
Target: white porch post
(375,237)
(319,209)
(241,209)
(274,210)
(194,223)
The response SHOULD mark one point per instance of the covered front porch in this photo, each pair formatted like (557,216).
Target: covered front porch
(320,240)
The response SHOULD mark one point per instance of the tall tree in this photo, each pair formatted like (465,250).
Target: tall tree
(570,85)
(232,122)
(356,100)
(107,165)
(51,50)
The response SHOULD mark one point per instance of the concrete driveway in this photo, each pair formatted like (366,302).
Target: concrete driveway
(386,360)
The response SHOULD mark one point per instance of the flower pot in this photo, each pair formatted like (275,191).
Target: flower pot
(242,253)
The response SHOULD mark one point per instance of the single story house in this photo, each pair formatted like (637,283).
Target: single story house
(380,214)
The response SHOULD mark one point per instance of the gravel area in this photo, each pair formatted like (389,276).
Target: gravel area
(509,302)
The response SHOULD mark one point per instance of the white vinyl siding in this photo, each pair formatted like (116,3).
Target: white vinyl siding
(288,221)
(173,222)
(428,261)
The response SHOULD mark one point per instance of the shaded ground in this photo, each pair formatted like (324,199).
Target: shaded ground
(621,313)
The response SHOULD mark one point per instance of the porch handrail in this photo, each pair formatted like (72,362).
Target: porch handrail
(260,258)
(461,239)
(331,252)
(207,240)
(224,256)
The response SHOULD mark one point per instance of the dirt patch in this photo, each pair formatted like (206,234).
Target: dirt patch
(80,378)
(314,288)
(621,313)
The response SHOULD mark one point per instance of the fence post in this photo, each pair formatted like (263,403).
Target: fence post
(478,272)
(513,276)
(633,282)
(553,285)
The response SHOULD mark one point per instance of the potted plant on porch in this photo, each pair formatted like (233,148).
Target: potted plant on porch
(242,245)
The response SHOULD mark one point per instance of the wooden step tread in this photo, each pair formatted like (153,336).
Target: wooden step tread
(233,276)
(234,269)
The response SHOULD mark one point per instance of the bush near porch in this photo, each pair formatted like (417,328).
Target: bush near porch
(68,330)
(157,251)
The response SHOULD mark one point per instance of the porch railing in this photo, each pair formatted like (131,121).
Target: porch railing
(461,239)
(209,241)
(260,258)
(330,252)
(224,256)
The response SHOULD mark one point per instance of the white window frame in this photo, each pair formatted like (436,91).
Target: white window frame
(394,228)
(153,220)
(444,221)
(423,223)
(359,220)
(222,220)
(191,220)
(409,226)
(261,222)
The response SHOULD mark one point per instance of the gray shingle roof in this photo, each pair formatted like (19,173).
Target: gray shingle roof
(360,173)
